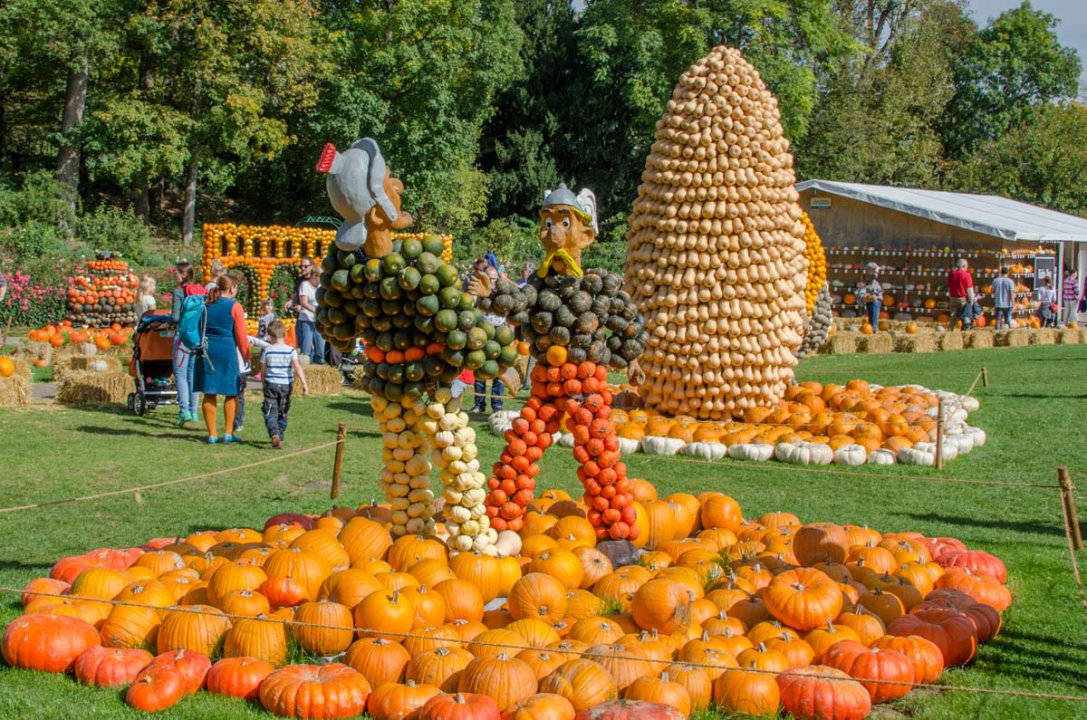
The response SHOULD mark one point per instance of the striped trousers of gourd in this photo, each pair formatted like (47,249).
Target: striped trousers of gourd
(578,392)
(415,433)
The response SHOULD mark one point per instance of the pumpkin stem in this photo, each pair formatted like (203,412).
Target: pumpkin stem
(459,699)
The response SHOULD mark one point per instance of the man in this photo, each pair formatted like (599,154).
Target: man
(1003,299)
(291,306)
(960,288)
(871,293)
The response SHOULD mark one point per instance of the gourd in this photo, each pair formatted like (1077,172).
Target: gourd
(715,257)
(850,455)
(881,457)
(759,452)
(804,453)
(656,445)
(704,450)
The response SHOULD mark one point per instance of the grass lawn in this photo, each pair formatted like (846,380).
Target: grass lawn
(1033,412)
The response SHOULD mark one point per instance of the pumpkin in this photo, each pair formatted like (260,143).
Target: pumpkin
(262,638)
(820,542)
(113,668)
(803,599)
(463,600)
(630,710)
(156,689)
(924,656)
(538,595)
(817,692)
(199,628)
(541,706)
(952,632)
(304,566)
(892,670)
(660,690)
(583,682)
(747,693)
(625,663)
(238,677)
(302,691)
(192,665)
(460,706)
(695,680)
(439,667)
(501,677)
(662,605)
(379,660)
(395,701)
(335,631)
(49,643)
(983,588)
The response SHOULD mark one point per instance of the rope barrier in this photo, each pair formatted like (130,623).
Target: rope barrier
(864,476)
(153,486)
(369,631)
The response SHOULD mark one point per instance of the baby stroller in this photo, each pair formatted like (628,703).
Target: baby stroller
(152,364)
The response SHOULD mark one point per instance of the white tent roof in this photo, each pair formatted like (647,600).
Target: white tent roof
(987,214)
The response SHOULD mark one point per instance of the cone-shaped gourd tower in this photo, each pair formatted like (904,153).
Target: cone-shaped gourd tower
(715,260)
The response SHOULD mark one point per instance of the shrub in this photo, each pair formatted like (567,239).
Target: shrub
(119,231)
(514,239)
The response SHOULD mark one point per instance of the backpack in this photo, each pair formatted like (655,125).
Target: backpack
(192,326)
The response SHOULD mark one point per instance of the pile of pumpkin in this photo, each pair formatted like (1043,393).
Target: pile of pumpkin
(103,295)
(851,424)
(705,607)
(63,333)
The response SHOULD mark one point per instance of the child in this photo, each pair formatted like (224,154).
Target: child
(145,296)
(280,366)
(267,317)
(464,381)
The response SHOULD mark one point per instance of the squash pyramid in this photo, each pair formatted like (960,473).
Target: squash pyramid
(715,258)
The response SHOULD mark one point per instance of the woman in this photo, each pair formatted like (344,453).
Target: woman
(227,341)
(310,342)
(184,364)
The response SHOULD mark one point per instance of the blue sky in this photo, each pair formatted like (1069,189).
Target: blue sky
(1072,30)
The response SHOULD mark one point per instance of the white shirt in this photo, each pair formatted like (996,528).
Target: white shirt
(277,360)
(1045,295)
(306,290)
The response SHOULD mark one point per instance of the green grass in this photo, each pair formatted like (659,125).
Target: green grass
(1033,412)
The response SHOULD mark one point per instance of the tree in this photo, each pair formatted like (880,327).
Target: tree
(631,53)
(877,121)
(1043,161)
(1015,64)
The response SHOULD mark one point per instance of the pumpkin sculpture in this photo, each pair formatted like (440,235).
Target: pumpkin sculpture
(420,332)
(715,256)
(567,313)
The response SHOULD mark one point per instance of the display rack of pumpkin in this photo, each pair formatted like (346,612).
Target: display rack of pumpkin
(558,625)
(104,295)
(716,252)
(421,331)
(578,325)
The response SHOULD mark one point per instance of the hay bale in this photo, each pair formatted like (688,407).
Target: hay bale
(68,364)
(83,387)
(1043,336)
(1012,338)
(22,369)
(949,340)
(876,344)
(323,380)
(14,391)
(978,339)
(1068,336)
(841,343)
(915,343)
(36,350)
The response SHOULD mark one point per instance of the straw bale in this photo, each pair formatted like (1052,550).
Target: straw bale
(14,391)
(949,340)
(841,343)
(1043,336)
(1068,336)
(978,339)
(36,350)
(84,387)
(68,364)
(323,380)
(915,343)
(876,344)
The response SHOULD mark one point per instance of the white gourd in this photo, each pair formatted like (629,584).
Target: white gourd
(629,446)
(657,445)
(850,455)
(919,454)
(804,453)
(704,450)
(881,457)
(758,452)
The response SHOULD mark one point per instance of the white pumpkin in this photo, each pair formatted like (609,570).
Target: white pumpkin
(804,453)
(978,435)
(508,543)
(704,450)
(758,452)
(881,457)
(919,454)
(629,446)
(850,455)
(565,439)
(657,445)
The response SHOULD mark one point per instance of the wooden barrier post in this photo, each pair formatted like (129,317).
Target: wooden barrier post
(985,377)
(1068,500)
(337,464)
(940,434)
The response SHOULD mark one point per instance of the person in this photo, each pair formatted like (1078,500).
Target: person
(145,296)
(1047,304)
(460,384)
(478,267)
(498,388)
(217,373)
(1003,299)
(184,363)
(267,317)
(960,288)
(1070,296)
(527,269)
(281,366)
(871,294)
(216,270)
(310,342)
(291,306)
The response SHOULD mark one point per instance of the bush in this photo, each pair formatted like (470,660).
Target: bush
(30,302)
(119,231)
(40,198)
(514,239)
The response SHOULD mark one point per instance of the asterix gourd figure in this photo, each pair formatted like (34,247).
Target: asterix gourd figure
(420,332)
(580,323)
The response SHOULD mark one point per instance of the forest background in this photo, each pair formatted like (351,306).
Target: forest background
(125,124)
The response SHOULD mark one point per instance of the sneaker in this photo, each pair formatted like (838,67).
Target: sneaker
(232,440)
(238,429)
(276,442)
(478,409)
(212,440)
(182,420)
